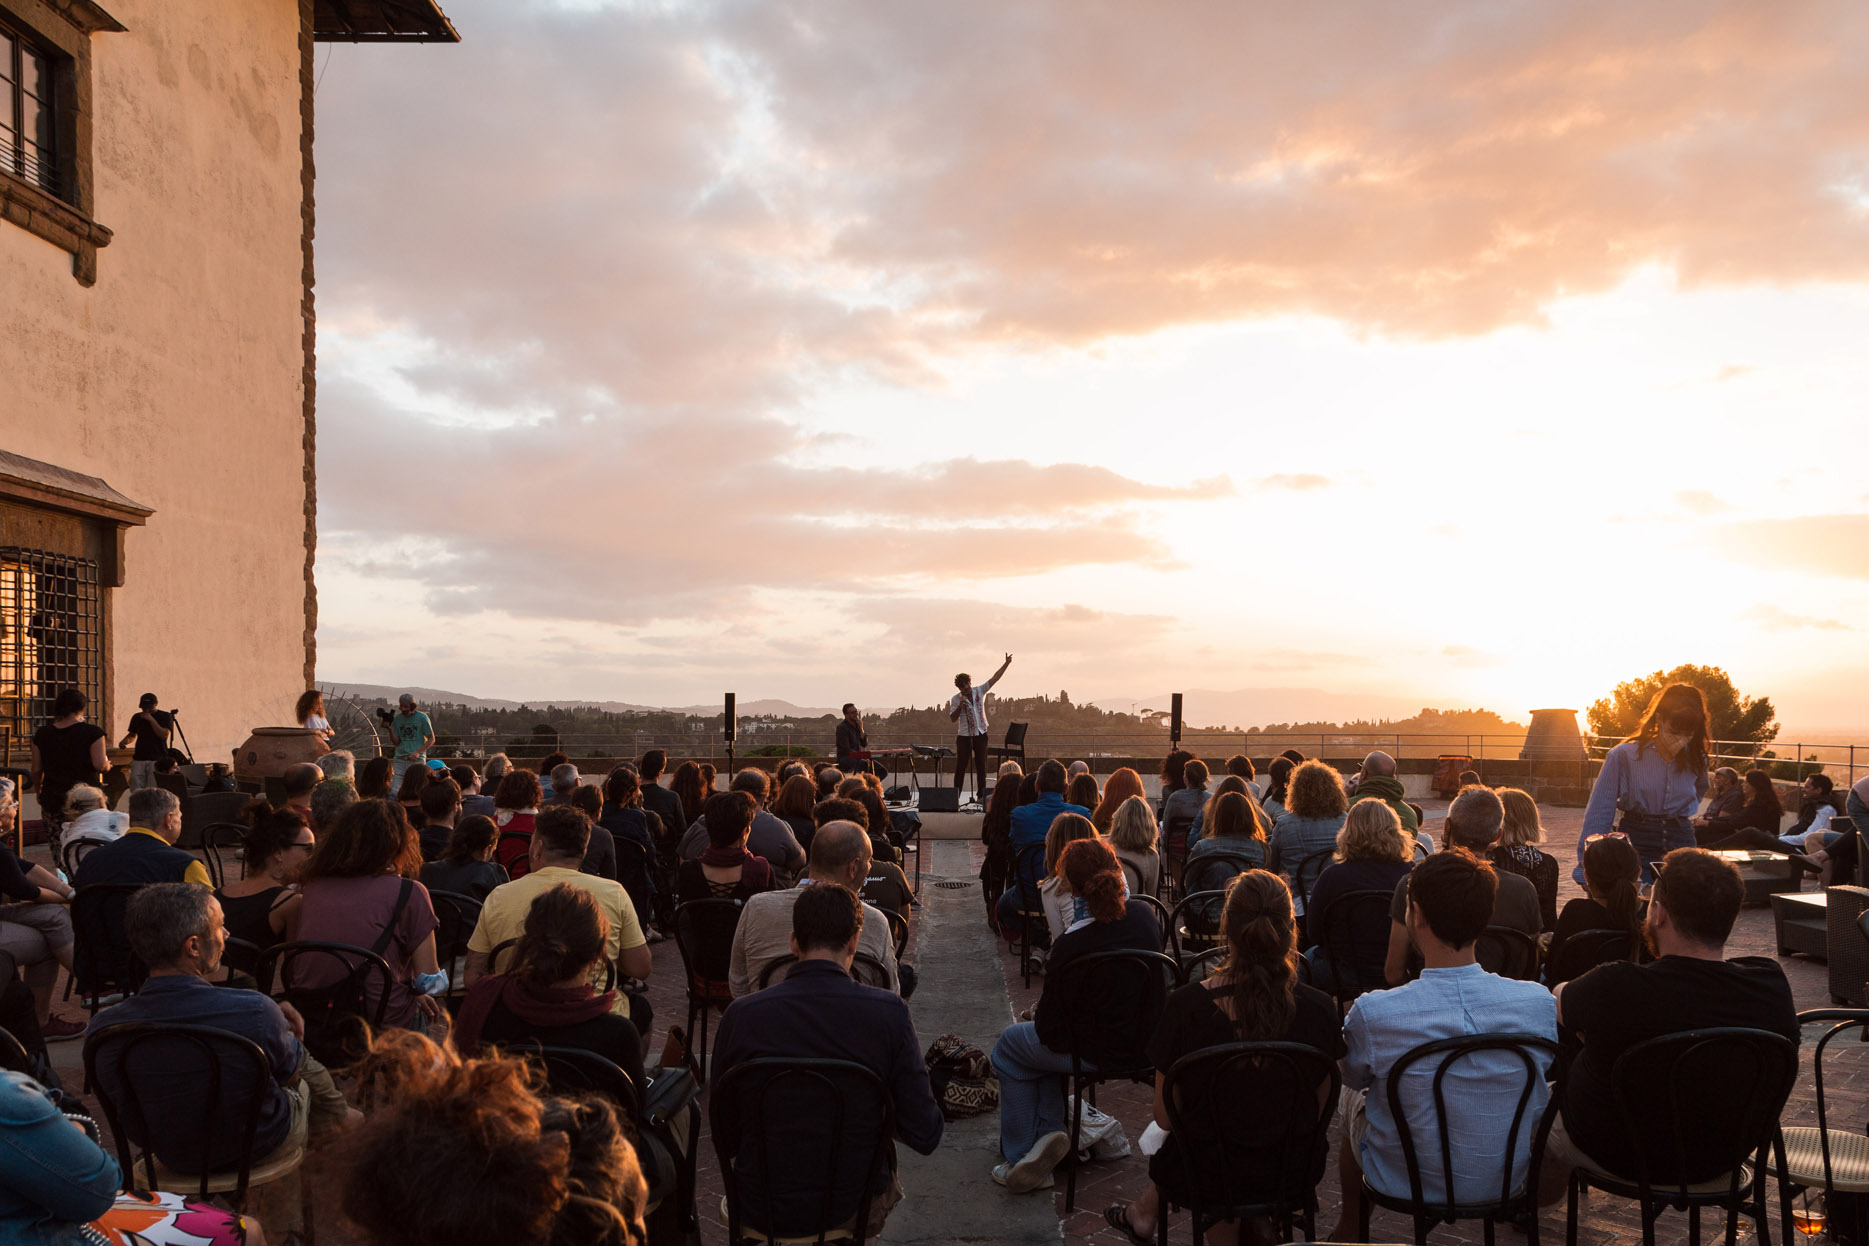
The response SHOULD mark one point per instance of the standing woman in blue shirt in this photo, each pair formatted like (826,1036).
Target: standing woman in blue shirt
(1656,779)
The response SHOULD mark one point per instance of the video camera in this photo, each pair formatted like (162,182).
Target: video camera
(388,717)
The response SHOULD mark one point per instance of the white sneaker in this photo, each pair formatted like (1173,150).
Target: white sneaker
(1034,1171)
(1002,1171)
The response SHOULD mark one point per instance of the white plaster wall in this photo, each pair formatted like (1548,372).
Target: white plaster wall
(177,377)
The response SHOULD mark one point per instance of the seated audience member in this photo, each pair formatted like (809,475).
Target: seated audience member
(769,838)
(840,853)
(996,835)
(1030,1055)
(726,871)
(656,798)
(1517,851)
(329,799)
(517,801)
(1063,908)
(1078,767)
(339,764)
(1756,827)
(1377,780)
(415,779)
(1611,870)
(546,995)
(692,788)
(262,905)
(819,1012)
(1254,996)
(147,851)
(557,851)
(1817,806)
(440,806)
(827,779)
(472,801)
(1133,838)
(1082,791)
(1726,796)
(466,1153)
(1474,820)
(1231,783)
(1241,766)
(1315,805)
(176,930)
(35,924)
(359,888)
(466,866)
(373,781)
(1690,985)
(1373,854)
(885,886)
(298,783)
(885,841)
(1031,823)
(1181,806)
(793,805)
(1278,785)
(601,857)
(1120,786)
(564,780)
(1174,774)
(58,1185)
(1450,900)
(1234,828)
(1471,778)
(87,815)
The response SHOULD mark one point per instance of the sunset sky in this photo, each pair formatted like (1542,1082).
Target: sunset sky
(1472,354)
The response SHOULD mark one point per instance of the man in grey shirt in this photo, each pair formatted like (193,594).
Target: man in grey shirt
(770,837)
(840,853)
(1474,821)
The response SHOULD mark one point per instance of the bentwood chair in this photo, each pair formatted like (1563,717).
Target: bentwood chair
(340,1011)
(1835,1159)
(1584,951)
(704,931)
(1028,868)
(1347,943)
(1524,1057)
(1508,952)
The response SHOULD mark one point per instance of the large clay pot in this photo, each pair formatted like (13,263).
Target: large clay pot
(269,750)
(1553,736)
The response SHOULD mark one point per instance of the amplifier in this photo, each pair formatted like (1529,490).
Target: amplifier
(940,800)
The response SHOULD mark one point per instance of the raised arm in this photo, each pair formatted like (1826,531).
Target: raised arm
(996,674)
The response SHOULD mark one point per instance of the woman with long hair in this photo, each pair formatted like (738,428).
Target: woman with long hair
(309,713)
(623,816)
(516,811)
(1062,906)
(360,888)
(1232,783)
(1254,996)
(409,792)
(1236,828)
(1083,792)
(1314,811)
(793,805)
(1373,853)
(691,789)
(470,1153)
(373,780)
(1652,782)
(1118,788)
(1136,841)
(1277,785)
(262,905)
(466,866)
(1030,1055)
(546,995)
(1611,871)
(996,834)
(1517,851)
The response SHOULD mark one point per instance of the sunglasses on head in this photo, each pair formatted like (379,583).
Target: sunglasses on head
(1591,839)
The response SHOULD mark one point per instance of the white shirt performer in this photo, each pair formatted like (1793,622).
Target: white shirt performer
(967,709)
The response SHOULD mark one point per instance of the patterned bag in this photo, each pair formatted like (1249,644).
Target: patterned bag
(961,1077)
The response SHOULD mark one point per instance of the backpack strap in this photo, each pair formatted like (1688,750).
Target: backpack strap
(389,927)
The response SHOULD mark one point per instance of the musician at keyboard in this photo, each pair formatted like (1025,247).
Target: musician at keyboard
(853,746)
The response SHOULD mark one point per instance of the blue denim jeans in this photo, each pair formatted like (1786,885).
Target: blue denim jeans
(1031,1090)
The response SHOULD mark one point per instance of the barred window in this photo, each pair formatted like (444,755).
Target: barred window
(28,135)
(51,635)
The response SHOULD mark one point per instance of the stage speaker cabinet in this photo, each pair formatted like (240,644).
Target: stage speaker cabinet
(1174,723)
(940,800)
(729,727)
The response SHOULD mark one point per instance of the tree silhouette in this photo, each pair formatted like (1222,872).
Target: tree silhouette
(1730,715)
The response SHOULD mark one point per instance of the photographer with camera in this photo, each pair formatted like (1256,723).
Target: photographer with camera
(151,728)
(414,734)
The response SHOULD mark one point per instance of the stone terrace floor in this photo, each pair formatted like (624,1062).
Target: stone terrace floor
(950,1195)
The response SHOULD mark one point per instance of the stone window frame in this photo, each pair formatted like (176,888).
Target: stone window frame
(63,30)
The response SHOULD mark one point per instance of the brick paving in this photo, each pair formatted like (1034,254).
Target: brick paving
(1604,1220)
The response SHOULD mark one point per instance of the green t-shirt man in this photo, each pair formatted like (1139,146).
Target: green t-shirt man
(413,732)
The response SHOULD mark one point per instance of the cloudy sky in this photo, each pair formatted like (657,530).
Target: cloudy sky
(1481,353)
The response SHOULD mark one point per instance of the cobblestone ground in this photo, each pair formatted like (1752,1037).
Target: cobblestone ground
(1604,1220)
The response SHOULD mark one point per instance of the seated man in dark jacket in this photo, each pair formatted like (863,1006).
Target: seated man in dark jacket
(819,1012)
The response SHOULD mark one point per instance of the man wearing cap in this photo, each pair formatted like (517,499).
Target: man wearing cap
(413,732)
(151,729)
(1474,821)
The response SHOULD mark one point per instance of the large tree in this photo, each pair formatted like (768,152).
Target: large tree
(1731,716)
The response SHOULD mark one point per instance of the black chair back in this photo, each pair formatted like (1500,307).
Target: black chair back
(1112,1001)
(575,1071)
(776,970)
(208,839)
(869,971)
(207,808)
(72,851)
(1446,1055)
(353,996)
(1028,871)
(1584,951)
(14,1057)
(1840,1020)
(704,936)
(457,915)
(1305,876)
(1211,871)
(898,929)
(1250,1125)
(1677,1133)
(101,956)
(634,871)
(242,955)
(1507,952)
(831,1118)
(1194,923)
(231,1081)
(1162,917)
(1354,936)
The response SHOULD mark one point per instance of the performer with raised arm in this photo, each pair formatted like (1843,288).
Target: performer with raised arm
(967,710)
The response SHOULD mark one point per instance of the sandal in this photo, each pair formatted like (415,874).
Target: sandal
(1116,1215)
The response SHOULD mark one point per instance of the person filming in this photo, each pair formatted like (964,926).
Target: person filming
(151,728)
(967,710)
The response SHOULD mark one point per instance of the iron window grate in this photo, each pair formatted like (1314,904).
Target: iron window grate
(51,635)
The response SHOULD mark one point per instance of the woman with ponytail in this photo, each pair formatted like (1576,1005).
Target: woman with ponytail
(1254,996)
(1031,1054)
(1611,870)
(545,995)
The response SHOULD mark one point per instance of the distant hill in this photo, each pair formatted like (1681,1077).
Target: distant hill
(438,696)
(1256,707)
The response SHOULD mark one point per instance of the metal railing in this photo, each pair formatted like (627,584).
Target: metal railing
(1791,760)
